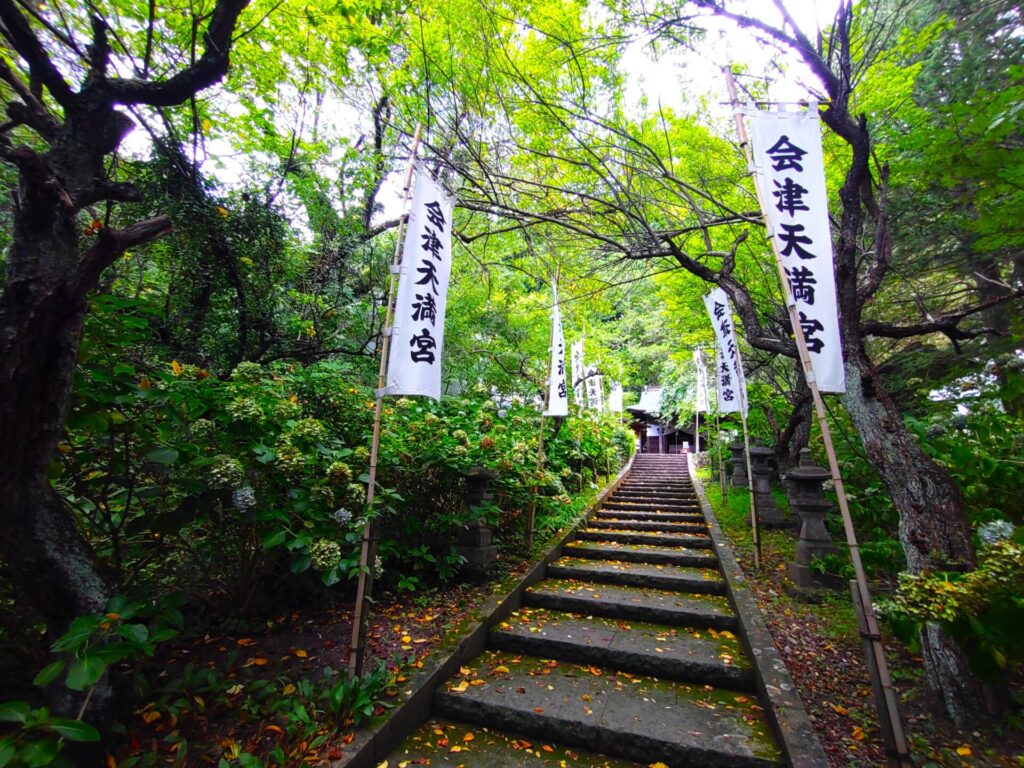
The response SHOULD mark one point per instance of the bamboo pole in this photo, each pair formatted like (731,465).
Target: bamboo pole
(371,528)
(888,705)
(721,461)
(750,477)
(531,516)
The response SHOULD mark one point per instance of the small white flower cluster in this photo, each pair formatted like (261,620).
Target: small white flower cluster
(995,531)
(378,567)
(226,472)
(245,409)
(309,429)
(243,497)
(325,554)
(202,429)
(342,516)
(248,372)
(356,494)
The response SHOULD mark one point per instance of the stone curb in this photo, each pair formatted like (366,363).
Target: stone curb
(372,745)
(786,712)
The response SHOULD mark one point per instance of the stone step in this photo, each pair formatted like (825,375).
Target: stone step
(441,743)
(616,713)
(647,525)
(635,491)
(656,492)
(680,578)
(654,539)
(633,481)
(628,506)
(703,656)
(653,501)
(670,517)
(638,553)
(632,603)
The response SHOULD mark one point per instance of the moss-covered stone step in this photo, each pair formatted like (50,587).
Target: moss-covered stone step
(632,603)
(691,541)
(640,553)
(670,517)
(442,743)
(679,578)
(704,656)
(650,525)
(615,713)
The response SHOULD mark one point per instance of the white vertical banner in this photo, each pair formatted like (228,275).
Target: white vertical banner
(576,354)
(558,393)
(615,398)
(790,172)
(732,385)
(417,334)
(701,405)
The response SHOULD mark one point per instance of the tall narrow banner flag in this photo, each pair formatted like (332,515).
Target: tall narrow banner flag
(558,393)
(732,385)
(615,398)
(417,333)
(701,406)
(790,173)
(576,353)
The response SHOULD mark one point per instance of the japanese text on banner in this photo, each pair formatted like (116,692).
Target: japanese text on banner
(576,352)
(417,336)
(701,404)
(558,394)
(790,173)
(729,378)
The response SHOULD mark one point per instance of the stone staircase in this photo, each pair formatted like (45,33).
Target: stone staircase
(626,653)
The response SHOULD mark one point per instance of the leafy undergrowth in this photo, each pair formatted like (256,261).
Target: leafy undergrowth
(277,694)
(822,649)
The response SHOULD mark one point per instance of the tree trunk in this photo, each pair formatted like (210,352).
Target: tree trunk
(50,562)
(933,528)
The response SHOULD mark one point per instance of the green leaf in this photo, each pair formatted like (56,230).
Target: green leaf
(162,456)
(75,730)
(48,674)
(39,752)
(14,712)
(137,633)
(7,751)
(274,539)
(85,672)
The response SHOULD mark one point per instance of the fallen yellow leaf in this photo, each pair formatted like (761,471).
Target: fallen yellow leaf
(501,669)
(963,750)
(658,765)
(300,654)
(468,737)
(460,687)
